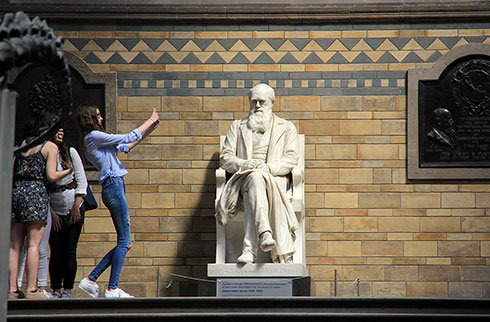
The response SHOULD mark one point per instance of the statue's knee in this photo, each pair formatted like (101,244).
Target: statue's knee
(252,181)
(254,177)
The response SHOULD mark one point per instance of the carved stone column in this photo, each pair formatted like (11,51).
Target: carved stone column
(23,41)
(7,125)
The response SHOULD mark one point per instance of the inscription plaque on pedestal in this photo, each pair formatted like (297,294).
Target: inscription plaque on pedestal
(449,117)
(254,287)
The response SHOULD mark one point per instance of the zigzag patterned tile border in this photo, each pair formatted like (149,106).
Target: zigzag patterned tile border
(299,62)
(266,51)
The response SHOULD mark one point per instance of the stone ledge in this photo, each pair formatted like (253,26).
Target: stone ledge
(280,11)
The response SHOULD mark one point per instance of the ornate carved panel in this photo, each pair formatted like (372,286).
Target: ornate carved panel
(449,116)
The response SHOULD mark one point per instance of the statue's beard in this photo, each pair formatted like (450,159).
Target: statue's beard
(259,121)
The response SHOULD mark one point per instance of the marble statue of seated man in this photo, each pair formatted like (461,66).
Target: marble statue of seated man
(260,151)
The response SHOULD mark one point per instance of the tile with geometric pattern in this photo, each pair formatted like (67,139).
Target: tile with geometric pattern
(265,51)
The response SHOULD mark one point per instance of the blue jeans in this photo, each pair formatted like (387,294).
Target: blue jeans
(113,190)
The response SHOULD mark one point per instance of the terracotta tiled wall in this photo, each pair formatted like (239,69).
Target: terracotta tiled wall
(344,88)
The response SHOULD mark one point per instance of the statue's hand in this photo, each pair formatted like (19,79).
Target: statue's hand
(250,164)
(262,166)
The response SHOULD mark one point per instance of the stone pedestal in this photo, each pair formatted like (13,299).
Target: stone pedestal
(294,272)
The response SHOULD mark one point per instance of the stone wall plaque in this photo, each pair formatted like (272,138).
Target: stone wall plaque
(449,116)
(254,287)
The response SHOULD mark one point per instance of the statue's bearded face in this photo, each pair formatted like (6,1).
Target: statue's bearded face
(260,116)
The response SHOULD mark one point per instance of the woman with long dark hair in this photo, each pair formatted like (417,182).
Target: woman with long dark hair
(101,148)
(30,203)
(67,219)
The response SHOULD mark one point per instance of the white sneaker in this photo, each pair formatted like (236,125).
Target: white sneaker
(47,294)
(89,287)
(116,293)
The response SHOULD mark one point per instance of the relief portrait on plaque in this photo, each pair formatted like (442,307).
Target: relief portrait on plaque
(454,119)
(442,132)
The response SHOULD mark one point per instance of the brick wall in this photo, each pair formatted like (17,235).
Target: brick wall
(343,86)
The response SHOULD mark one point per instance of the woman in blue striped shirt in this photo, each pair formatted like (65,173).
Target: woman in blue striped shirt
(100,148)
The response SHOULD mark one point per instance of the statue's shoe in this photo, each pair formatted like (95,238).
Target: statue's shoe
(245,257)
(267,243)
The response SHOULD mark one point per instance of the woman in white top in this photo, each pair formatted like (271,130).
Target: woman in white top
(67,219)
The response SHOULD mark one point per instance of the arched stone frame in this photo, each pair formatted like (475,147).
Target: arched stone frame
(107,79)
(414,76)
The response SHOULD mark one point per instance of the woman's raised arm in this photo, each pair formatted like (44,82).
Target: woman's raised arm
(146,128)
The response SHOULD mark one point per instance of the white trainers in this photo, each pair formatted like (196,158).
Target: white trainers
(116,293)
(89,287)
(47,294)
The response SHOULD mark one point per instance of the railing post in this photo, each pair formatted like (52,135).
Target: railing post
(158,283)
(335,282)
(358,287)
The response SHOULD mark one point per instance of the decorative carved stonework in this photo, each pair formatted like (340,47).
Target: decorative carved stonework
(24,41)
(471,87)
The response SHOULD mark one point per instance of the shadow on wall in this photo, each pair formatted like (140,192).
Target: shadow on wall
(194,231)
